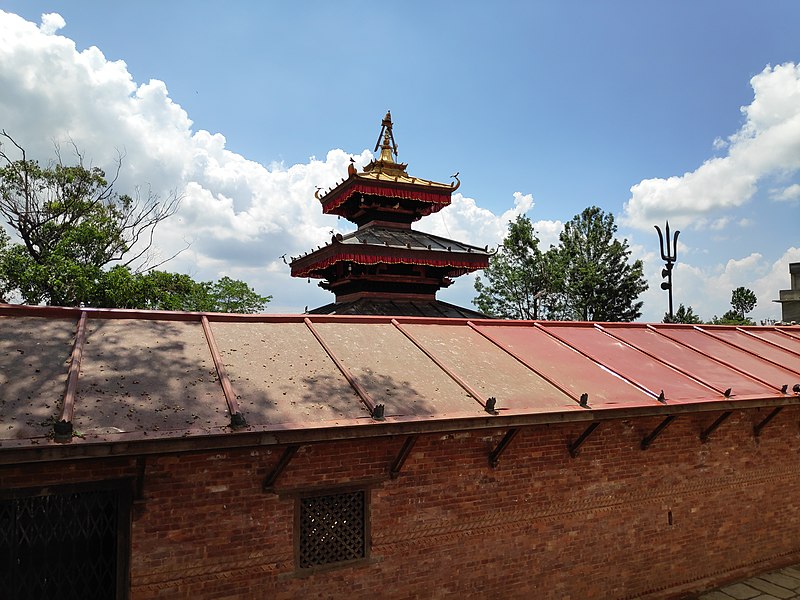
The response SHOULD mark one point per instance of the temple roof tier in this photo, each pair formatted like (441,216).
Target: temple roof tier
(376,245)
(429,195)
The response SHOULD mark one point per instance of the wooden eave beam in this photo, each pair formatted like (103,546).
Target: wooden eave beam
(494,455)
(286,458)
(400,459)
(760,427)
(575,446)
(649,439)
(715,425)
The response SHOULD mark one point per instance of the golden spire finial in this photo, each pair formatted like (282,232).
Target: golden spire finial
(388,147)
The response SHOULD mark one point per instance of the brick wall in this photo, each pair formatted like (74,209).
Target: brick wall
(615,522)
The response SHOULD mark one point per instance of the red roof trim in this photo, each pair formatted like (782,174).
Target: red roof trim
(389,189)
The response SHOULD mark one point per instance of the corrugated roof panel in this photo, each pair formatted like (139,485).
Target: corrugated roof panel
(34,361)
(490,370)
(147,375)
(746,361)
(281,374)
(759,347)
(690,361)
(631,364)
(394,371)
(567,367)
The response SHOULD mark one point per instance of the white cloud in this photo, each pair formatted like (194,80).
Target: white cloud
(237,216)
(51,22)
(789,194)
(767,144)
(708,289)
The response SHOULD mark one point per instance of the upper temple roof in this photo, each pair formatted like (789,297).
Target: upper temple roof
(386,178)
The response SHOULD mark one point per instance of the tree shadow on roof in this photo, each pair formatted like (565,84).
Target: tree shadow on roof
(34,364)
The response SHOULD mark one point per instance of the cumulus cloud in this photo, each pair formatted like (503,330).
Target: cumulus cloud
(788,194)
(237,217)
(767,145)
(51,22)
(707,289)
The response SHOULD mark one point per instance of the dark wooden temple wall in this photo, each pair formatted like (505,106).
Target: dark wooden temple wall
(614,522)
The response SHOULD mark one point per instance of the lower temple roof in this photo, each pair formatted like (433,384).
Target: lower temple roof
(375,244)
(91,382)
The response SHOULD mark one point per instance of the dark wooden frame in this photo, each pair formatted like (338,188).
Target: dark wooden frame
(124,489)
(299,495)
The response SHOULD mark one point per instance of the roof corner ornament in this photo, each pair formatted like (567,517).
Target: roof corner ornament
(669,256)
(457,184)
(316,193)
(351,168)
(389,146)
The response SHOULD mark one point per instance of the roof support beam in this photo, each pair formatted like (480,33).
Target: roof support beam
(286,458)
(62,429)
(237,418)
(574,446)
(400,460)
(376,411)
(760,427)
(714,426)
(648,440)
(530,366)
(468,388)
(494,455)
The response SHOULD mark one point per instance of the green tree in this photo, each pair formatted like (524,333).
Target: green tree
(160,290)
(743,301)
(519,277)
(233,295)
(71,223)
(600,283)
(683,315)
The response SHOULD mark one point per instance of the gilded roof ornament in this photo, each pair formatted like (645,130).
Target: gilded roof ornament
(389,146)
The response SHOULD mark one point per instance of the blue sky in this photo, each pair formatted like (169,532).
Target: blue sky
(544,107)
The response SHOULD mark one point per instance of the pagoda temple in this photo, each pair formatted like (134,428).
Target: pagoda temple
(385,267)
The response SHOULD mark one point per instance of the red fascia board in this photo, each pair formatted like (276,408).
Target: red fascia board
(42,449)
(318,260)
(413,191)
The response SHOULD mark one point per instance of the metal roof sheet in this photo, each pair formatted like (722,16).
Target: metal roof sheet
(137,376)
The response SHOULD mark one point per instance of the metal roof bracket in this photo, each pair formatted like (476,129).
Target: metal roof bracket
(62,431)
(759,428)
(494,455)
(62,428)
(400,460)
(237,418)
(648,440)
(574,446)
(286,457)
(714,426)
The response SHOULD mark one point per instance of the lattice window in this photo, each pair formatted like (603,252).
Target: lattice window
(60,545)
(332,529)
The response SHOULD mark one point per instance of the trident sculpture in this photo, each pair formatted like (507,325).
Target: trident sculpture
(669,256)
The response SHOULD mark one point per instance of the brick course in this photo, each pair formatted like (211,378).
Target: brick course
(614,522)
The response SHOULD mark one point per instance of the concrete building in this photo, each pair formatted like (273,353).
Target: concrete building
(790,299)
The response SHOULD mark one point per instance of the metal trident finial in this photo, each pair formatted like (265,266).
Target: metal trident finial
(669,256)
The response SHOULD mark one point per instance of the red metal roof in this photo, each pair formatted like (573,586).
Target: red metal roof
(134,376)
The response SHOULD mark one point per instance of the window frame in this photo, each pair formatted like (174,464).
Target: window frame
(123,488)
(299,496)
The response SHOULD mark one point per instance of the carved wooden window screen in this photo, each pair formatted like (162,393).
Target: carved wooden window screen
(332,529)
